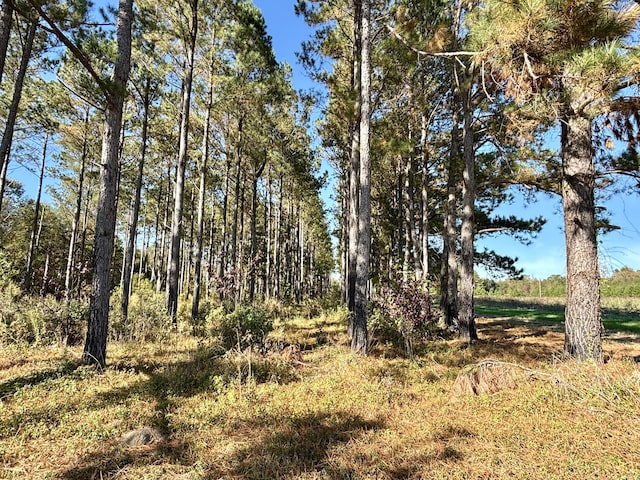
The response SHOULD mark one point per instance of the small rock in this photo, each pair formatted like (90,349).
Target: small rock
(141,436)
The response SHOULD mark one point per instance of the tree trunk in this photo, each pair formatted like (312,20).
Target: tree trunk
(359,340)
(234,231)
(583,323)
(253,253)
(269,234)
(225,204)
(197,275)
(173,264)
(133,226)
(95,349)
(466,320)
(5,32)
(7,137)
(34,228)
(163,244)
(83,238)
(344,238)
(354,163)
(278,238)
(449,269)
(68,279)
(424,227)
(240,265)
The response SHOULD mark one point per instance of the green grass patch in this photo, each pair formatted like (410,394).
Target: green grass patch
(614,318)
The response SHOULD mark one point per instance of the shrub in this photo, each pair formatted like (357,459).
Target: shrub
(40,320)
(402,315)
(147,316)
(246,327)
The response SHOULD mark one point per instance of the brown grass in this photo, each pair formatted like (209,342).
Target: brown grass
(530,415)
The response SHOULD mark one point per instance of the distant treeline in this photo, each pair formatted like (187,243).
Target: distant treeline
(624,282)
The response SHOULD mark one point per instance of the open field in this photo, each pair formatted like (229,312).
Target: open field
(618,313)
(333,416)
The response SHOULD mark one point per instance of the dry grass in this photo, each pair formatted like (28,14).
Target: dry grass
(337,417)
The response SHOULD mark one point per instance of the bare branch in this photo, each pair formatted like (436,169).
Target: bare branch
(425,53)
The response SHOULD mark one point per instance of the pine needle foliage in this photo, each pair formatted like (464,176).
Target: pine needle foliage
(574,49)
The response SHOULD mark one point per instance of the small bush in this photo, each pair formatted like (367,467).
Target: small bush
(403,315)
(246,327)
(40,320)
(147,318)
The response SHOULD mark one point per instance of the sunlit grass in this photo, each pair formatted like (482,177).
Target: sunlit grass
(617,313)
(251,416)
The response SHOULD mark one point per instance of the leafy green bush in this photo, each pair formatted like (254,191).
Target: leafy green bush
(40,320)
(246,327)
(147,318)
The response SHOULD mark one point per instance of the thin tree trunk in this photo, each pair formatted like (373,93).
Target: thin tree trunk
(583,323)
(225,203)
(185,281)
(211,257)
(197,276)
(412,249)
(5,32)
(163,236)
(466,319)
(156,245)
(344,239)
(269,233)
(95,349)
(173,264)
(45,275)
(278,239)
(359,340)
(133,226)
(234,231)
(253,254)
(7,137)
(424,230)
(354,165)
(239,266)
(449,270)
(34,229)
(83,239)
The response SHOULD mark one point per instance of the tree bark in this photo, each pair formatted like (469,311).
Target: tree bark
(359,340)
(424,227)
(173,264)
(225,205)
(449,268)
(34,229)
(95,349)
(7,137)
(161,276)
(133,226)
(583,323)
(253,252)
(197,275)
(5,32)
(236,210)
(68,278)
(354,163)
(466,320)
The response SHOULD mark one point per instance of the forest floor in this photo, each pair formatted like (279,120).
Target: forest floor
(507,407)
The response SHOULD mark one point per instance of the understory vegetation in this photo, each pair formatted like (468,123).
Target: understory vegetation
(273,391)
